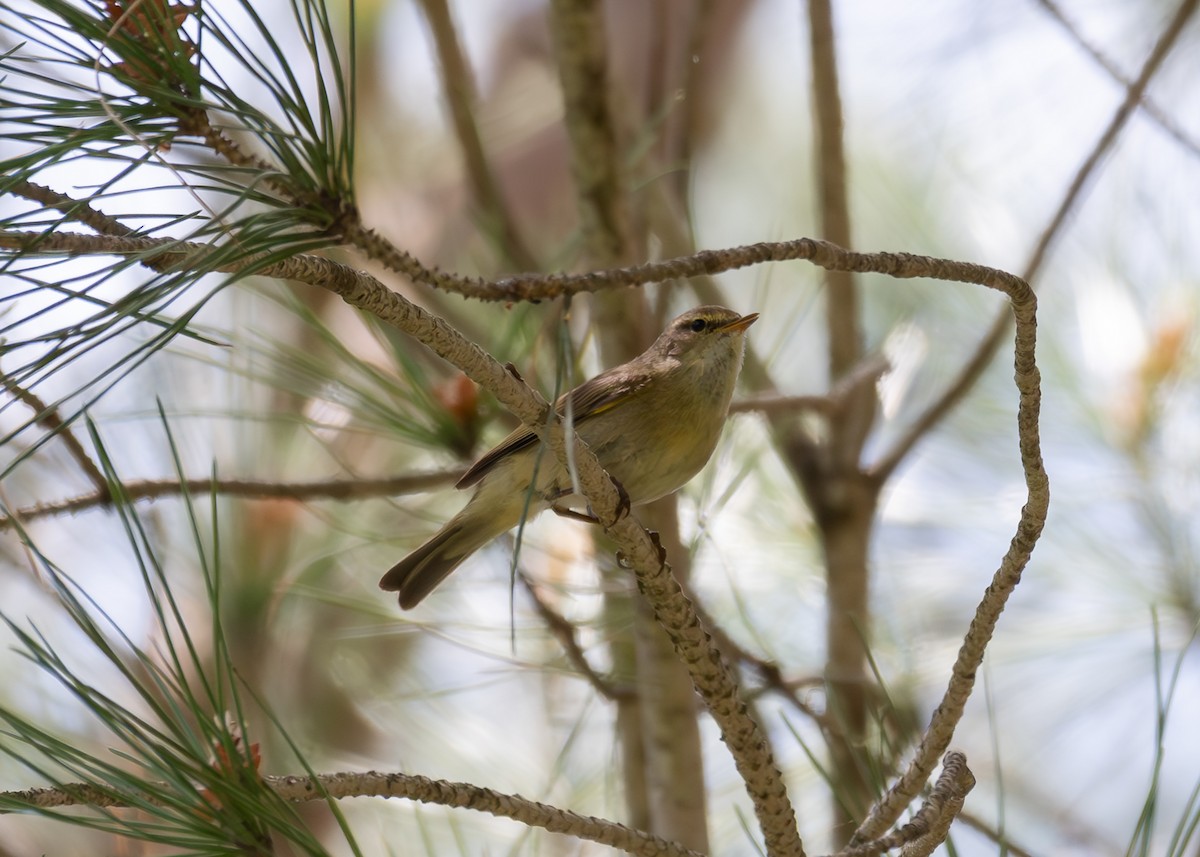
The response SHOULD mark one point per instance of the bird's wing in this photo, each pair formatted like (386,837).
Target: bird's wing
(587,400)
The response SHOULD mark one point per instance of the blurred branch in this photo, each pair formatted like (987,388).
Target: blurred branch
(578,33)
(1148,105)
(773,680)
(48,417)
(334,489)
(868,370)
(768,671)
(980,826)
(460,95)
(843,317)
(423,789)
(987,348)
(828,472)
(695,67)
(564,631)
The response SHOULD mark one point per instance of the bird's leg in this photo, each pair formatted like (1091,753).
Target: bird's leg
(589,517)
(574,514)
(566,511)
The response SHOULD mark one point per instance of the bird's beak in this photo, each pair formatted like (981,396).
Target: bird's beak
(740,324)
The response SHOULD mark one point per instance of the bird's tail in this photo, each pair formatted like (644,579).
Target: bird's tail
(421,571)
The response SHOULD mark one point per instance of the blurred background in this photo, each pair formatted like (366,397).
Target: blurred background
(965,125)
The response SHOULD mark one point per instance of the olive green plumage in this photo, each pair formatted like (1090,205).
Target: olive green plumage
(653,423)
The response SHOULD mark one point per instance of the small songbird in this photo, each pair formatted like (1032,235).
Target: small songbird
(652,422)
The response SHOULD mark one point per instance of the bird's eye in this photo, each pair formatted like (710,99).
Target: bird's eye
(698,325)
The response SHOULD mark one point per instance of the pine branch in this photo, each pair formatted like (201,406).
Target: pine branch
(371,784)
(154,489)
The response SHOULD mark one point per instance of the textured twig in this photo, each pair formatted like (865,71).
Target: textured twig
(713,678)
(440,792)
(1033,517)
(933,820)
(153,489)
(333,275)
(75,209)
(931,823)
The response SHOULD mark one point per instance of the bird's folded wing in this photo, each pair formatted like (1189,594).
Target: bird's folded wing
(587,400)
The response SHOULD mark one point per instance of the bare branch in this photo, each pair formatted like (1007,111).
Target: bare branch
(931,823)
(942,807)
(988,830)
(319,270)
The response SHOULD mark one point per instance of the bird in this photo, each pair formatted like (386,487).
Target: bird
(652,422)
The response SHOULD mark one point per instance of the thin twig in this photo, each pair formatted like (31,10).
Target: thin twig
(867,371)
(333,275)
(1148,105)
(931,823)
(980,826)
(564,631)
(48,417)
(75,209)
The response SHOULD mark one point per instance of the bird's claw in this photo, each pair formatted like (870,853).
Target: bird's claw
(624,507)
